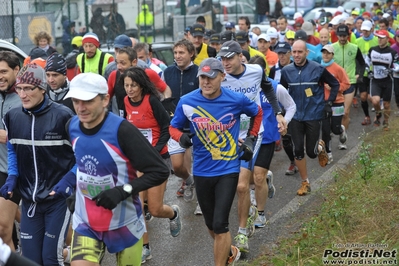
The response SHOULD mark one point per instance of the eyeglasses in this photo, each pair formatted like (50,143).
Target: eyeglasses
(25,89)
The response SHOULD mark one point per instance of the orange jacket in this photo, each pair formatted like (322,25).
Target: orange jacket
(339,73)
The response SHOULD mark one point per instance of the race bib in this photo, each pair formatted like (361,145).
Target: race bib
(245,122)
(91,186)
(338,110)
(147,133)
(380,72)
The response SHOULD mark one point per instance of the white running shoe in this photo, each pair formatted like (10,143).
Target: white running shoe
(198,210)
(252,197)
(269,181)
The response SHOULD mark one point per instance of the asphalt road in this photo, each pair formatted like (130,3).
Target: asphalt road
(194,246)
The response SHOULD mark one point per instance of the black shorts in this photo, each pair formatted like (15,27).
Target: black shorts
(365,86)
(305,133)
(351,89)
(265,155)
(16,196)
(215,196)
(382,88)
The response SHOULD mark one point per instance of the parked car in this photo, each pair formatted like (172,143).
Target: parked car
(7,46)
(350,5)
(312,13)
(302,6)
(226,11)
(161,50)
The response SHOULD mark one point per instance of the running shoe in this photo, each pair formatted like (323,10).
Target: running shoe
(355,104)
(342,146)
(323,158)
(198,210)
(253,214)
(269,180)
(180,191)
(343,137)
(175,224)
(305,189)
(366,121)
(235,256)
(292,169)
(260,222)
(147,214)
(146,254)
(242,242)
(252,197)
(330,157)
(278,146)
(189,193)
(385,125)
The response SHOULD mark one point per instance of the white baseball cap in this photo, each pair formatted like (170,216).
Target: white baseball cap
(86,86)
(264,37)
(297,15)
(366,25)
(335,20)
(272,32)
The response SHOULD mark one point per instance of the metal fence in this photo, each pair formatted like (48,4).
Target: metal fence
(19,26)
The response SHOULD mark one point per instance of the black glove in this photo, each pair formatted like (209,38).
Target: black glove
(169,106)
(370,74)
(111,197)
(327,110)
(266,86)
(185,140)
(247,148)
(70,201)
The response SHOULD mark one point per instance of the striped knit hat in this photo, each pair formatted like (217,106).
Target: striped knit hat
(32,74)
(91,37)
(57,63)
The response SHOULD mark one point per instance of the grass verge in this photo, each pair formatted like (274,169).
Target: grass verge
(358,210)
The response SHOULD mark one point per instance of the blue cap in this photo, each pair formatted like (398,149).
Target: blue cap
(122,41)
(38,52)
(229,25)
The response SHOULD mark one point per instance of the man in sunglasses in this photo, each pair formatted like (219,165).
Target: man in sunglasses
(39,155)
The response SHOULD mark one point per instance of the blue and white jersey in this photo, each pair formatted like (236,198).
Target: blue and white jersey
(248,83)
(102,165)
(216,124)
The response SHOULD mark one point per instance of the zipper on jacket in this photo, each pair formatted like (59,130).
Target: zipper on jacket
(34,156)
(2,105)
(181,83)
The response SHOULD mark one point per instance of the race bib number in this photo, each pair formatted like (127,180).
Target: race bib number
(380,72)
(338,110)
(308,92)
(147,133)
(91,186)
(244,122)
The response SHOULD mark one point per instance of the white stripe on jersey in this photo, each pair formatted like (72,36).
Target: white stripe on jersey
(248,84)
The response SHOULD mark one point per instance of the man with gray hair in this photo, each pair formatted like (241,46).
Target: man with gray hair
(143,53)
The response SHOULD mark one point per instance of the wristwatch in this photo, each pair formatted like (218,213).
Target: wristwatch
(128,188)
(279,113)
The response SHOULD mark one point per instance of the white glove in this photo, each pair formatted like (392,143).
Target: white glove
(5,253)
(396,67)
